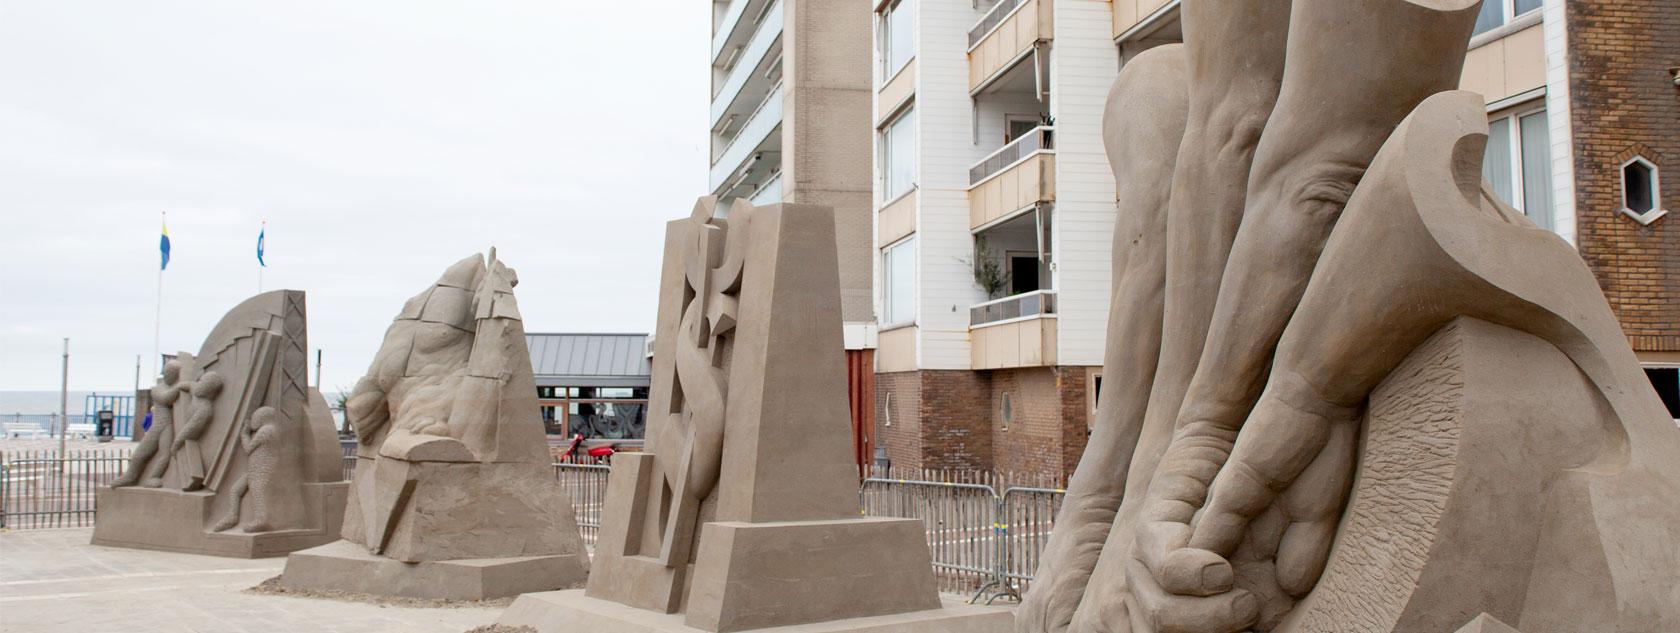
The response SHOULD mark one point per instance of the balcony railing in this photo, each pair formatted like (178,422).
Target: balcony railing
(764,37)
(1028,304)
(1042,138)
(991,20)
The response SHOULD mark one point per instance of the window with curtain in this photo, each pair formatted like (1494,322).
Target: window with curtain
(898,276)
(898,156)
(1518,163)
(898,38)
(1496,13)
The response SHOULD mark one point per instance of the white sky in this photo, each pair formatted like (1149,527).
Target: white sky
(381,139)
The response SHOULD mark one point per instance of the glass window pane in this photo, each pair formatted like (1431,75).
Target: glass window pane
(1524,6)
(1496,163)
(1537,169)
(899,164)
(901,36)
(900,278)
(1492,15)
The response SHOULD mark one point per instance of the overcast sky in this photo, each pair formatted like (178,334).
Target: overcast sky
(382,140)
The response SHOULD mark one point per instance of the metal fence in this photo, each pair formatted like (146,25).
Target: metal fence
(42,489)
(587,485)
(984,531)
(982,540)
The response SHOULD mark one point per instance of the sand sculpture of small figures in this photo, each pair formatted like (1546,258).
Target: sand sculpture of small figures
(151,458)
(260,437)
(186,448)
(1351,389)
(236,419)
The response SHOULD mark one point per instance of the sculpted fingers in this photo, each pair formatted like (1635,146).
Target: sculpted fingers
(1313,505)
(1165,612)
(1287,430)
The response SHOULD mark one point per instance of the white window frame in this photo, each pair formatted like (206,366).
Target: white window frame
(1656,190)
(883,39)
(884,138)
(887,313)
(1508,13)
(1513,117)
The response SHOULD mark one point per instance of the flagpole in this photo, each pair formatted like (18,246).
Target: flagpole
(157,319)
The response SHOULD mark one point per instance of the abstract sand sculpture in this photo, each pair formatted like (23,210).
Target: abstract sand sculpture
(743,513)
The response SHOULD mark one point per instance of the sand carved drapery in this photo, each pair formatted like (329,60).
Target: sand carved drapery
(1349,322)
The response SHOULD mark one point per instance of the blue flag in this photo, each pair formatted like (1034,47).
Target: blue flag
(260,233)
(163,247)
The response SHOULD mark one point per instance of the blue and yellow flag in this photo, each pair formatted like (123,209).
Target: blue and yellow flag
(163,247)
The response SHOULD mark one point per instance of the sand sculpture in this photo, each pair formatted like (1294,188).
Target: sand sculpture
(1386,401)
(743,513)
(183,486)
(453,495)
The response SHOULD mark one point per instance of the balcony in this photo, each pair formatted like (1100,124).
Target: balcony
(1018,175)
(753,71)
(1015,331)
(1130,15)
(1003,37)
(760,134)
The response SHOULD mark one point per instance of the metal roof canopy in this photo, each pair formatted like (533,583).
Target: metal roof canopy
(589,360)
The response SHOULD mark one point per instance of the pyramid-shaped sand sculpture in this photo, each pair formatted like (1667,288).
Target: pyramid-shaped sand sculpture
(453,496)
(744,512)
(242,458)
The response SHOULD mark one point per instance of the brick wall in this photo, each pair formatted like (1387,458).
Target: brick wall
(1624,101)
(1076,415)
(956,422)
(952,419)
(899,431)
(1031,441)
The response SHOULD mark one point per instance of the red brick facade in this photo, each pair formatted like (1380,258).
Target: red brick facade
(955,419)
(1624,102)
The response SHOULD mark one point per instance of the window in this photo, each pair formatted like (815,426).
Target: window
(1006,411)
(1496,13)
(1641,190)
(898,298)
(897,38)
(1017,126)
(898,156)
(1518,163)
(1666,380)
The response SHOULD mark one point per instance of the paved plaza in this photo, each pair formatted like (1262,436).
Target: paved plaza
(53,580)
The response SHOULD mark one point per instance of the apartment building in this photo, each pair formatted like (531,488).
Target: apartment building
(994,207)
(993,199)
(790,120)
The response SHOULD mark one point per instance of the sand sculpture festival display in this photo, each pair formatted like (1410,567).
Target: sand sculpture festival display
(743,512)
(453,495)
(1349,389)
(242,458)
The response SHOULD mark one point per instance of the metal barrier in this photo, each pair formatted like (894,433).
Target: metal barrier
(959,520)
(1028,514)
(587,485)
(981,541)
(41,489)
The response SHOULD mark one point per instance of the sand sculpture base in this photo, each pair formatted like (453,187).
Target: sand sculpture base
(348,567)
(174,521)
(571,611)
